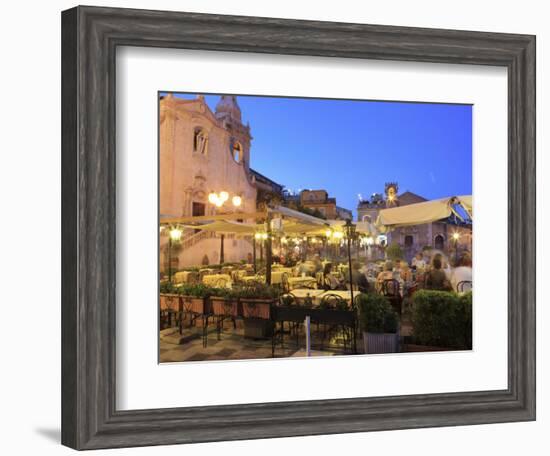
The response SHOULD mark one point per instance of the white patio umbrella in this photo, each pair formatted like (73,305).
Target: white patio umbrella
(425,212)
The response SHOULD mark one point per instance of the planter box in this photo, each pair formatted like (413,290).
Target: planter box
(257,328)
(257,317)
(169,301)
(381,342)
(224,307)
(257,308)
(195,305)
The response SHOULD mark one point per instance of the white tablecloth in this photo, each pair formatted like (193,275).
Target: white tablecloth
(217,280)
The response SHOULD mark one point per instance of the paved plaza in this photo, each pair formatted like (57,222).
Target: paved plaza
(233,345)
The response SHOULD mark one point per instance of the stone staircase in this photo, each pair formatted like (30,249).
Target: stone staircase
(195,245)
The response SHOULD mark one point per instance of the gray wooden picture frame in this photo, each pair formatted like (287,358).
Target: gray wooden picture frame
(90,36)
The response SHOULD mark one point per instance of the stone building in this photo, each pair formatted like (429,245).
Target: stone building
(318,200)
(414,238)
(202,152)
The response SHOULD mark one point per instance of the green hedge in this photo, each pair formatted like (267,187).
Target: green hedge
(442,319)
(376,314)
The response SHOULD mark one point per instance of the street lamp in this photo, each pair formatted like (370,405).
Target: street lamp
(173,235)
(456,237)
(236,200)
(218,200)
(350,233)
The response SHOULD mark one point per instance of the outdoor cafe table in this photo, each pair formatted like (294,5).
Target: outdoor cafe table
(254,278)
(302,293)
(296,282)
(276,277)
(182,276)
(344,294)
(282,269)
(216,279)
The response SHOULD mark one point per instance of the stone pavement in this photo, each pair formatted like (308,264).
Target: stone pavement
(233,345)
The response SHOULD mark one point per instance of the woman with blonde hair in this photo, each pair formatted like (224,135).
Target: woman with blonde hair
(385,274)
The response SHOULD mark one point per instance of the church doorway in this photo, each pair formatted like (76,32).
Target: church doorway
(198,210)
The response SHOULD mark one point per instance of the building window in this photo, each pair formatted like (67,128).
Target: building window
(439,242)
(409,241)
(200,141)
(237,151)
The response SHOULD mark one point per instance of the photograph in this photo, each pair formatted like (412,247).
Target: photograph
(300,227)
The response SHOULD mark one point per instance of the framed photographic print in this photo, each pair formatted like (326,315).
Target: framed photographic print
(269,224)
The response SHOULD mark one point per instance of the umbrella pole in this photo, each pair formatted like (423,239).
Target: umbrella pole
(169,259)
(254,252)
(268,252)
(222,237)
(350,274)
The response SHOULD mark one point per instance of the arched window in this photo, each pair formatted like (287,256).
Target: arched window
(409,240)
(237,151)
(439,242)
(200,141)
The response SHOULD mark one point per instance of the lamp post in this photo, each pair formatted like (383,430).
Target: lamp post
(350,233)
(218,200)
(456,237)
(173,235)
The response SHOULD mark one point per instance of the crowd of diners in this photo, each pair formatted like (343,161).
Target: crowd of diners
(429,269)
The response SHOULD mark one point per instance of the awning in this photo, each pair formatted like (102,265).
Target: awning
(228,227)
(362,227)
(249,229)
(297,215)
(421,213)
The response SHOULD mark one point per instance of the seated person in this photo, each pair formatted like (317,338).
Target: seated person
(358,278)
(303,269)
(317,264)
(331,282)
(406,273)
(462,273)
(436,279)
(386,274)
(418,261)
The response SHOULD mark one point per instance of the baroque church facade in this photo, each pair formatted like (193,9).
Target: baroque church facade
(202,152)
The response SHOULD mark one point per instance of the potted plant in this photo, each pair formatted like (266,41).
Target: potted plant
(379,323)
(256,301)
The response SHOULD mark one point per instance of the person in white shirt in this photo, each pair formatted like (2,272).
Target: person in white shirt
(418,261)
(462,273)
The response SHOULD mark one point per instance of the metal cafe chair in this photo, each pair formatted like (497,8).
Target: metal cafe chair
(224,310)
(221,282)
(390,289)
(333,301)
(193,277)
(330,302)
(288,300)
(284,283)
(465,285)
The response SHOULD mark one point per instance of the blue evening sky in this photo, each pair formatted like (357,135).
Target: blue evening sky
(351,147)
